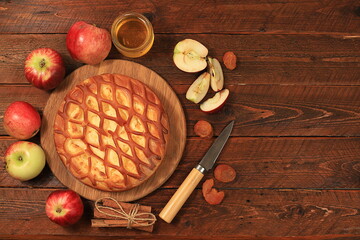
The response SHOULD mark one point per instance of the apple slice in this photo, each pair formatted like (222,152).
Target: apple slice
(199,88)
(190,55)
(216,73)
(215,103)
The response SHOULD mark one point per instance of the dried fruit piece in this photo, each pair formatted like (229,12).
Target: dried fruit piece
(229,59)
(207,185)
(224,173)
(203,129)
(211,195)
(214,197)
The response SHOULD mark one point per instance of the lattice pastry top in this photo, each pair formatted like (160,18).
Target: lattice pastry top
(111,132)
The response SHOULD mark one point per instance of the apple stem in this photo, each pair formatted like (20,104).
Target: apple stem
(58,210)
(42,63)
(20,158)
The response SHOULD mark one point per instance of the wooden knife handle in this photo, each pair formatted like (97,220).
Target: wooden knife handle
(181,195)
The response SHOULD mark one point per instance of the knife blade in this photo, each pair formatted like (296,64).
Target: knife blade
(192,180)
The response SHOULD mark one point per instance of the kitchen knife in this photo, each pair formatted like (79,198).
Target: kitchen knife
(194,177)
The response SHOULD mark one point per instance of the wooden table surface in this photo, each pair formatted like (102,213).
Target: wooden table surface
(295,98)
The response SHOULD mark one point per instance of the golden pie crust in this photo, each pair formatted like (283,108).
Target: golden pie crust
(111,132)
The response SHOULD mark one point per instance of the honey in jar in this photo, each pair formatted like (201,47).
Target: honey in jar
(132,34)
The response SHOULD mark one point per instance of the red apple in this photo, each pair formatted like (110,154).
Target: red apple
(64,207)
(215,103)
(24,160)
(44,68)
(21,120)
(87,43)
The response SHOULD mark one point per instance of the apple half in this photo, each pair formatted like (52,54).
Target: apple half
(216,74)
(215,103)
(199,88)
(190,55)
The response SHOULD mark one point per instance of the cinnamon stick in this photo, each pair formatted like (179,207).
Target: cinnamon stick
(103,218)
(119,223)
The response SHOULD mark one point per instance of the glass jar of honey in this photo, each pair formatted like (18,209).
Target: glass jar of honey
(132,34)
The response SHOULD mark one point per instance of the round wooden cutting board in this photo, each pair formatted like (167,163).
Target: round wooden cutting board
(171,104)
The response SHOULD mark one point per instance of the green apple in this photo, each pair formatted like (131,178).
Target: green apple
(198,88)
(190,55)
(24,160)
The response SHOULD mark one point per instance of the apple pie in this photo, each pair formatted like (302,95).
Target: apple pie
(111,132)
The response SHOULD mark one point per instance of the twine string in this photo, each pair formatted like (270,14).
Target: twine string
(132,217)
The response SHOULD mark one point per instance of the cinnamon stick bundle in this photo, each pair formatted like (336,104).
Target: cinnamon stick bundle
(110,213)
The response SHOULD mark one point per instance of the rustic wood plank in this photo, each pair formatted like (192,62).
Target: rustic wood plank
(314,163)
(157,237)
(243,212)
(280,163)
(250,16)
(258,110)
(264,110)
(262,59)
